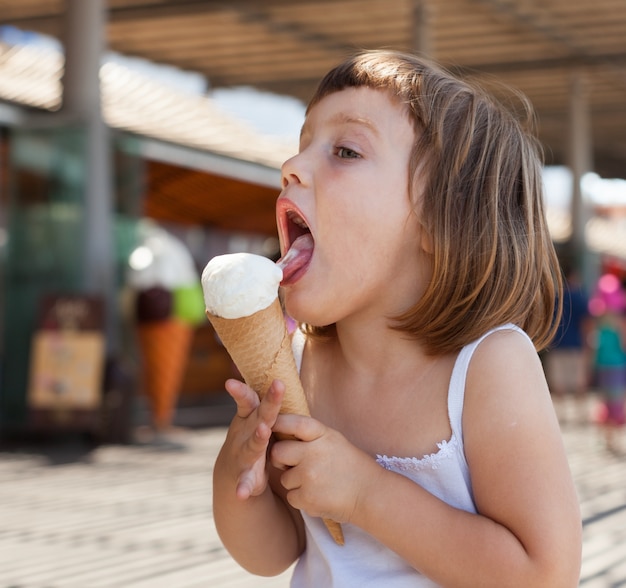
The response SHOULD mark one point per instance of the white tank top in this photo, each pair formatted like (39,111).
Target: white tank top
(363,561)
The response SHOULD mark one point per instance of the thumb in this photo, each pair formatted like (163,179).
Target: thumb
(245,485)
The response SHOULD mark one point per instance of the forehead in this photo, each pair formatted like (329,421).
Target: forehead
(377,111)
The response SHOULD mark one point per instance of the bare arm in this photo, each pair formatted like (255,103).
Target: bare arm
(257,526)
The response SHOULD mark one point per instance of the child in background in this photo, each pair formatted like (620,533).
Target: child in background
(425,281)
(609,343)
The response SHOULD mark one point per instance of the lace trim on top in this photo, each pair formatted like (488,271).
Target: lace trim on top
(415,464)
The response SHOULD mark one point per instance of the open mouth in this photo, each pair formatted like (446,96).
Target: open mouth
(300,248)
(296,226)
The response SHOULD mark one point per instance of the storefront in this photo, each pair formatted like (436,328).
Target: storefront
(212,205)
(92,145)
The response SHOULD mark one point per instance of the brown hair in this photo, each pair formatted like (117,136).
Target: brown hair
(476,185)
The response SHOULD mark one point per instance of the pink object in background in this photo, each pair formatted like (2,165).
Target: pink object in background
(608,297)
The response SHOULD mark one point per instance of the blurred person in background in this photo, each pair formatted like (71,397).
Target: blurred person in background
(609,356)
(567,361)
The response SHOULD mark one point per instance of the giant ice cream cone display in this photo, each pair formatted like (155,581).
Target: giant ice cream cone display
(163,276)
(164,347)
(241,298)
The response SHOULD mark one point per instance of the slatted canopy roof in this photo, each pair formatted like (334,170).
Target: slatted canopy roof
(285,46)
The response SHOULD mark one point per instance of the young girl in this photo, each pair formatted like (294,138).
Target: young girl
(424,274)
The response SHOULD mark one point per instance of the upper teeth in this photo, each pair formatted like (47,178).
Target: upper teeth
(294,218)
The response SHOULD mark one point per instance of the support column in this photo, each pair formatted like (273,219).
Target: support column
(421,28)
(84,48)
(581,162)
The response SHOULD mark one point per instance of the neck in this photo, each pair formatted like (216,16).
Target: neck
(368,349)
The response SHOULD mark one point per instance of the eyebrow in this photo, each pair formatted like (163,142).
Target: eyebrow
(341,118)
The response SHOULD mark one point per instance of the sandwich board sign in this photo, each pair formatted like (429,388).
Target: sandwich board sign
(67,361)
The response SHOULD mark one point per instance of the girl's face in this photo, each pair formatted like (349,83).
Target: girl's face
(349,186)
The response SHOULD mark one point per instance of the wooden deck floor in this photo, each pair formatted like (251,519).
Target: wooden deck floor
(133,517)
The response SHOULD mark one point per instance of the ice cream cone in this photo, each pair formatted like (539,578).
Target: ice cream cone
(260,346)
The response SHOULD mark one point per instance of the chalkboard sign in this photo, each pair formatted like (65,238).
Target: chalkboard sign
(68,355)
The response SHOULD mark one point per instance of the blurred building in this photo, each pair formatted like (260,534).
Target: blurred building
(74,188)
(93,142)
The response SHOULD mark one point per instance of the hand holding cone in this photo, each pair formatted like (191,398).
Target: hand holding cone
(241,298)
(260,346)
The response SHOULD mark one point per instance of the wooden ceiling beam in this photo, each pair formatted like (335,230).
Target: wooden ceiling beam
(568,61)
(245,12)
(539,21)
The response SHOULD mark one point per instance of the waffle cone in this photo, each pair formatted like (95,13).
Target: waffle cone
(261,349)
(260,346)
(164,347)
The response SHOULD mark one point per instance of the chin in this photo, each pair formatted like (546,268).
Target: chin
(304,306)
(300,316)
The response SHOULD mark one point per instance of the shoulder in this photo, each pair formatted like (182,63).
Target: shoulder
(508,343)
(505,385)
(506,356)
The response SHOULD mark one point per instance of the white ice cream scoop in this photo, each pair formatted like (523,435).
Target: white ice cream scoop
(239,284)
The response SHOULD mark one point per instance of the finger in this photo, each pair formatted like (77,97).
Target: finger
(251,479)
(248,485)
(299,427)
(271,402)
(245,397)
(245,486)
(285,454)
(258,441)
(290,480)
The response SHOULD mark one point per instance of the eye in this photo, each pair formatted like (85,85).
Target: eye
(346,153)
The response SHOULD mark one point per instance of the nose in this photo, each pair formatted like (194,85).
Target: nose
(291,171)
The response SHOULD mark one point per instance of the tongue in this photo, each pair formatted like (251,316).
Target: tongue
(297,258)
